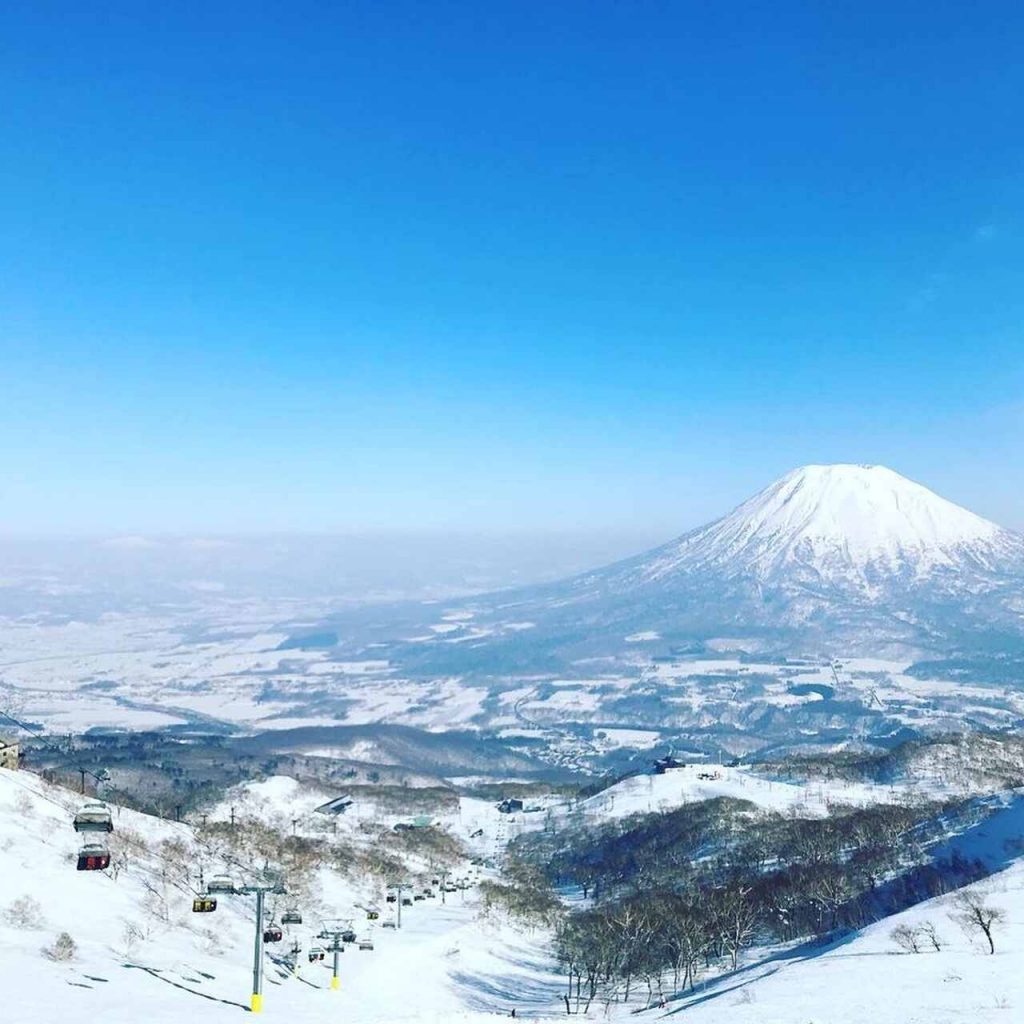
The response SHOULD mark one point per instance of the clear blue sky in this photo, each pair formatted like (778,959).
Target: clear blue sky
(332,266)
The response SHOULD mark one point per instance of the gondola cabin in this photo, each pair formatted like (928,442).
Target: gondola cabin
(291,917)
(272,934)
(221,884)
(93,857)
(93,816)
(204,905)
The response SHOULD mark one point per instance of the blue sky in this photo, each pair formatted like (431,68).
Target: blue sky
(503,266)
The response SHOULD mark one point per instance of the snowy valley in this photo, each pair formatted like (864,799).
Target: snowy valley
(756,772)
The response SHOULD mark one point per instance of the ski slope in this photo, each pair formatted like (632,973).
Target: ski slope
(867,978)
(448,963)
(642,794)
(198,967)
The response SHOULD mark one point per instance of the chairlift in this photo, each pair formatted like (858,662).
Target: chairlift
(391,898)
(221,883)
(435,881)
(93,857)
(93,816)
(348,935)
(204,905)
(316,953)
(272,933)
(372,915)
(366,943)
(291,916)
(406,901)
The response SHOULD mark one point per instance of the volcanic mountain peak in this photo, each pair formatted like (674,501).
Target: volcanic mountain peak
(840,520)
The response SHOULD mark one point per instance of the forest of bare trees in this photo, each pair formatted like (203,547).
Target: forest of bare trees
(669,895)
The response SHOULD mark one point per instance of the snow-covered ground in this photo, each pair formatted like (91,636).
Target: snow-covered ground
(868,978)
(142,953)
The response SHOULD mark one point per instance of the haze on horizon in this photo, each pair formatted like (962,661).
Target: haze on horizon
(600,270)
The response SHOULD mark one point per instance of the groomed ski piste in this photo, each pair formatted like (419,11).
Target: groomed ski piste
(142,954)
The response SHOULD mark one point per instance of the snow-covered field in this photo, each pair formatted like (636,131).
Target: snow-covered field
(868,978)
(234,665)
(142,954)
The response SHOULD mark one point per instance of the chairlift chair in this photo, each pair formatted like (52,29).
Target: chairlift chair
(93,816)
(272,933)
(366,943)
(221,883)
(316,953)
(204,905)
(93,857)
(391,898)
(372,915)
(348,935)
(291,916)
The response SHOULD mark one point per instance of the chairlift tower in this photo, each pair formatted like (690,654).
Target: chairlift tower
(398,888)
(259,890)
(333,935)
(443,877)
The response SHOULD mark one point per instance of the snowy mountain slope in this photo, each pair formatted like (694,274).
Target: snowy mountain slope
(866,977)
(840,521)
(844,559)
(140,950)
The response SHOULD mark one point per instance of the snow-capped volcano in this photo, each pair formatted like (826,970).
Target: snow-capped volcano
(842,556)
(843,559)
(840,521)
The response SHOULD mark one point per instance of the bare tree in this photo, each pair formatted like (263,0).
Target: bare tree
(906,938)
(64,948)
(929,934)
(973,914)
(736,918)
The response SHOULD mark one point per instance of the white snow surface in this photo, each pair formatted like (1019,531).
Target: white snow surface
(447,963)
(840,517)
(867,978)
(444,965)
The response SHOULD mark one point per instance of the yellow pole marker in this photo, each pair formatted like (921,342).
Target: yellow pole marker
(257,1002)
(335,981)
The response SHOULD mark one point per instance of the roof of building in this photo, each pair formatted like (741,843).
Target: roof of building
(336,805)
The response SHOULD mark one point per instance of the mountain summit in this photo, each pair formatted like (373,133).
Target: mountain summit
(828,557)
(839,522)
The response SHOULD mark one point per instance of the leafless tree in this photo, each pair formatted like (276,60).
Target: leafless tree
(906,938)
(931,936)
(973,915)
